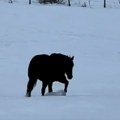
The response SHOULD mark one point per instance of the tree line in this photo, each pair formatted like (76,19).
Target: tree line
(68,2)
(52,1)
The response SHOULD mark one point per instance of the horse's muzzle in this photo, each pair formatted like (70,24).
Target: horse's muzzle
(70,77)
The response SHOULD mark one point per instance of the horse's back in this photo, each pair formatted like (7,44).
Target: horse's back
(39,60)
(47,66)
(38,65)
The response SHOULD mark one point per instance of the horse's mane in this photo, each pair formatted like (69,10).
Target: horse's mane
(59,55)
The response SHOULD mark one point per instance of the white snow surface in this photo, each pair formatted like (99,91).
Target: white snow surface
(91,35)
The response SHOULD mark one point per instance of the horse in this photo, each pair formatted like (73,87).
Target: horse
(48,69)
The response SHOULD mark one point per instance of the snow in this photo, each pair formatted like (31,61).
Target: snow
(90,34)
(56,93)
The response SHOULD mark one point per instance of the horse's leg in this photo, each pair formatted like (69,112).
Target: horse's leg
(65,81)
(50,87)
(66,85)
(44,85)
(30,86)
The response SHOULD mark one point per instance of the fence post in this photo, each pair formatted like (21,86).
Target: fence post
(29,1)
(69,3)
(104,3)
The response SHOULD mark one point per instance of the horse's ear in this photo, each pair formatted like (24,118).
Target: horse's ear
(72,57)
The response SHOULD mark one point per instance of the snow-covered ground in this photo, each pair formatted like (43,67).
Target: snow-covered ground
(91,35)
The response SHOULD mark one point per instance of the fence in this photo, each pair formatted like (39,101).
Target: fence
(80,3)
(97,3)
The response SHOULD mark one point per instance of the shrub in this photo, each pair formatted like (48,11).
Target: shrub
(52,1)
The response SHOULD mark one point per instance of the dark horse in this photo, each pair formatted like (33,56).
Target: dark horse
(48,69)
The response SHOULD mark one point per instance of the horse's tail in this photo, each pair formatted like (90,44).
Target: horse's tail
(32,83)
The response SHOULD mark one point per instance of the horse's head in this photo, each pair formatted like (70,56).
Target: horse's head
(69,67)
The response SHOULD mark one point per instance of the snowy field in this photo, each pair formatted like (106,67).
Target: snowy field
(91,35)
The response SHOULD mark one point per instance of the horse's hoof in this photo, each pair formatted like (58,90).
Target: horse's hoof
(65,91)
(28,95)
